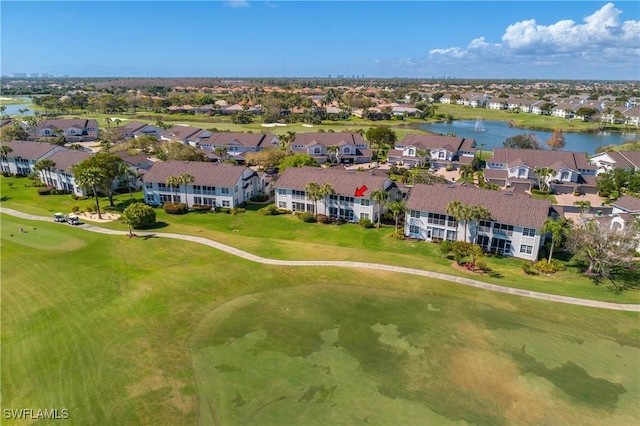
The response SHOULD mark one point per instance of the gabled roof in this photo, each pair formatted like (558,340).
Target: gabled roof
(505,207)
(451,143)
(204,173)
(232,138)
(65,158)
(65,123)
(628,203)
(328,138)
(180,132)
(344,182)
(541,158)
(28,150)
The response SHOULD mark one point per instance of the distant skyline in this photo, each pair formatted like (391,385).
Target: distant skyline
(375,39)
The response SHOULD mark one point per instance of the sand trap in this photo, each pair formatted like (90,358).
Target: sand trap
(307,125)
(268,125)
(280,124)
(106,217)
(117,118)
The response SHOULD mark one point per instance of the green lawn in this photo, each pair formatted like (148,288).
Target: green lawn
(139,331)
(285,237)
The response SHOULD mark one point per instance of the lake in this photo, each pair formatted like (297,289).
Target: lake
(13,110)
(493,134)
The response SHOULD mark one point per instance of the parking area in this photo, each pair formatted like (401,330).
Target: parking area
(569,199)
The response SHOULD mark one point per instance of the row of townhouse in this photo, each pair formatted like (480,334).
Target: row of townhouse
(606,161)
(512,230)
(343,147)
(23,156)
(73,129)
(351,197)
(214,184)
(516,168)
(626,210)
(439,151)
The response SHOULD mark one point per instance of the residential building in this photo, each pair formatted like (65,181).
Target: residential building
(351,197)
(516,168)
(234,143)
(440,151)
(342,147)
(135,129)
(24,155)
(626,210)
(179,133)
(610,160)
(214,185)
(73,129)
(512,230)
(61,177)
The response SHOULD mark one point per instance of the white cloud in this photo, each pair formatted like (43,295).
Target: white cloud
(601,44)
(237,3)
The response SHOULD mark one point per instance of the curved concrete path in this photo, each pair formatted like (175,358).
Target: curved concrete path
(346,264)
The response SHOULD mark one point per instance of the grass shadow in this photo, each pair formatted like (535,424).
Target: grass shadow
(157,225)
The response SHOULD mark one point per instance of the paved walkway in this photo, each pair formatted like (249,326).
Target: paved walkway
(358,265)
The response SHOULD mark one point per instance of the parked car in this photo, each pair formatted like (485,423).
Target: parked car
(59,217)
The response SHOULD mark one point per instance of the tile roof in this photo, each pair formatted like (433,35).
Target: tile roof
(451,143)
(28,150)
(180,132)
(65,123)
(344,182)
(541,158)
(65,158)
(328,138)
(232,138)
(628,203)
(205,173)
(505,207)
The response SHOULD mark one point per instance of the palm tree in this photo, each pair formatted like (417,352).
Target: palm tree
(89,177)
(4,154)
(557,229)
(325,190)
(186,179)
(397,207)
(313,194)
(221,151)
(117,121)
(379,196)
(3,110)
(174,183)
(466,171)
(457,210)
(422,153)
(45,165)
(333,153)
(475,214)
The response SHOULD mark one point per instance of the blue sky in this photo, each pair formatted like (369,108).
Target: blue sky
(418,39)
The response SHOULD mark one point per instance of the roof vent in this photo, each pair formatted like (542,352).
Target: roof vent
(508,193)
(451,185)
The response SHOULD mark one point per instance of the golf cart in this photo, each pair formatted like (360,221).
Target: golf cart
(73,219)
(59,217)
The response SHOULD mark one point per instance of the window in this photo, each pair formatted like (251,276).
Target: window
(162,186)
(165,198)
(282,204)
(282,191)
(411,152)
(297,207)
(235,190)
(441,154)
(414,214)
(225,191)
(528,232)
(364,215)
(148,185)
(225,203)
(316,150)
(197,200)
(451,235)
(298,195)
(414,230)
(365,202)
(525,249)
(564,176)
(347,150)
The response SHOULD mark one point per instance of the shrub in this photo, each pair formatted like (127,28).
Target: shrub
(226,210)
(90,208)
(139,216)
(199,208)
(236,210)
(270,210)
(397,235)
(365,223)
(59,192)
(44,191)
(6,174)
(614,195)
(483,266)
(175,208)
(285,211)
(75,208)
(449,168)
(324,219)
(260,198)
(527,267)
(445,248)
(549,268)
(306,217)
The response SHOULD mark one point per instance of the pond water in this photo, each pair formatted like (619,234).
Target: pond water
(13,110)
(493,134)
